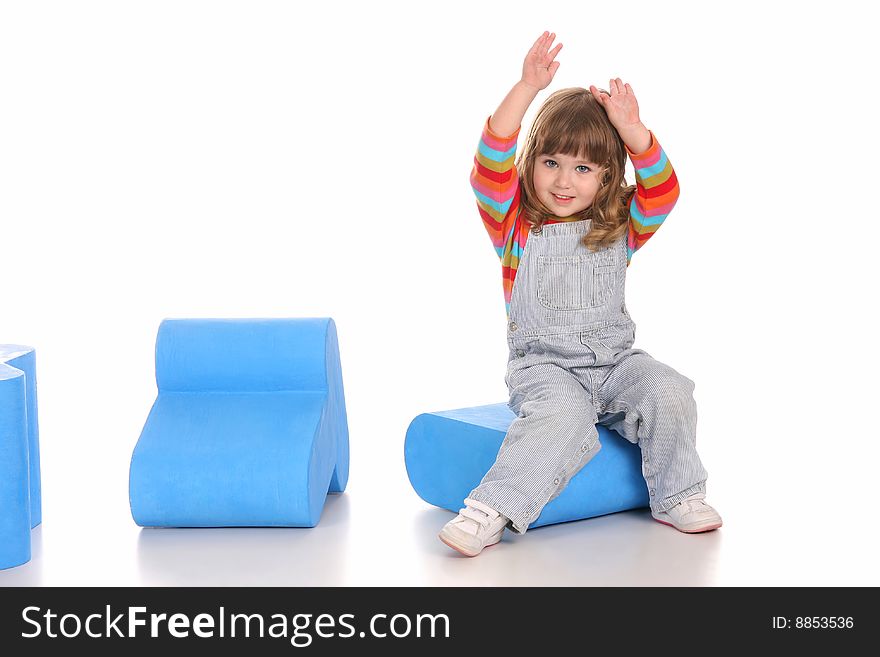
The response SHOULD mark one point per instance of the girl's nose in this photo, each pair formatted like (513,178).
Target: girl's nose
(563,178)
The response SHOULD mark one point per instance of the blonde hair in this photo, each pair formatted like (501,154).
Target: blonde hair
(572,122)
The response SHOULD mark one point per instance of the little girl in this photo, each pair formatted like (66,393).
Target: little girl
(565,226)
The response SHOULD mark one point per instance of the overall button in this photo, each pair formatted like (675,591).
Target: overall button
(652,492)
(645,459)
(520,353)
(512,326)
(583,448)
(555,482)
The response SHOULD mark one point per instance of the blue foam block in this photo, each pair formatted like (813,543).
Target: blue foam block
(249,427)
(20,498)
(447,454)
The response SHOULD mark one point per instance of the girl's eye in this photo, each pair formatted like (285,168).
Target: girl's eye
(550,163)
(583,169)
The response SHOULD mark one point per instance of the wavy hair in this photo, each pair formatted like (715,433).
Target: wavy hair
(572,122)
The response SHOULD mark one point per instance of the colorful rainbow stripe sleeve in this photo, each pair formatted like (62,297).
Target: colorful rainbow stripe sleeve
(656,194)
(496,186)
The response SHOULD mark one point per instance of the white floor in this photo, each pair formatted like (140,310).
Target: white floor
(347,548)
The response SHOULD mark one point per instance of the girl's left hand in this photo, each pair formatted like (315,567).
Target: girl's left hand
(621,106)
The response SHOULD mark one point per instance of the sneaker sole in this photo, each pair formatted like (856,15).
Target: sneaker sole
(461,550)
(699,530)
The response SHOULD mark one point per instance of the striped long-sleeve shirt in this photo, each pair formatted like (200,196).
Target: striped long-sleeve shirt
(496,184)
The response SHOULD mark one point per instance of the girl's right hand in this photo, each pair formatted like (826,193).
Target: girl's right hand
(539,67)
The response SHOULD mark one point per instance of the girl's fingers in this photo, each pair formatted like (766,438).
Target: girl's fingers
(548,43)
(552,54)
(617,86)
(534,48)
(552,68)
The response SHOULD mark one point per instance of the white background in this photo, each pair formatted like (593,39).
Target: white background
(275,159)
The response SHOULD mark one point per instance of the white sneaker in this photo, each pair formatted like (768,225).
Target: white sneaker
(691,516)
(475,527)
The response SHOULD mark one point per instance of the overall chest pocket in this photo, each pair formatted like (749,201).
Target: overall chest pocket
(575,282)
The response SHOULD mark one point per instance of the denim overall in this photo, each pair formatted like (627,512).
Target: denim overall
(572,365)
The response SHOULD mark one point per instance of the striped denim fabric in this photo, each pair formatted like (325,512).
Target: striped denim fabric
(572,365)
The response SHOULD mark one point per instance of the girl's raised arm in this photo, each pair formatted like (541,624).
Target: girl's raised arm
(656,183)
(538,70)
(494,177)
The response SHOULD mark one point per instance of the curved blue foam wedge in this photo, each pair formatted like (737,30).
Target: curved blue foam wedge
(17,428)
(249,428)
(448,452)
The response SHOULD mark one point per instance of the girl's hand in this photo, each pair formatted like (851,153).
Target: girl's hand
(621,106)
(539,67)
(622,109)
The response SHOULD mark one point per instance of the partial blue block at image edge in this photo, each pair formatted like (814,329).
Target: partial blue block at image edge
(20,490)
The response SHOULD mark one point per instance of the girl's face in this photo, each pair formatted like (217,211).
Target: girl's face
(566,185)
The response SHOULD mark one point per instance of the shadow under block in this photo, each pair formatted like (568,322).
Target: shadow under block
(20,498)
(249,427)
(447,453)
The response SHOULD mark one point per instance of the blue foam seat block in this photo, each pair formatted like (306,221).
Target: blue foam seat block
(248,429)
(447,453)
(20,498)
